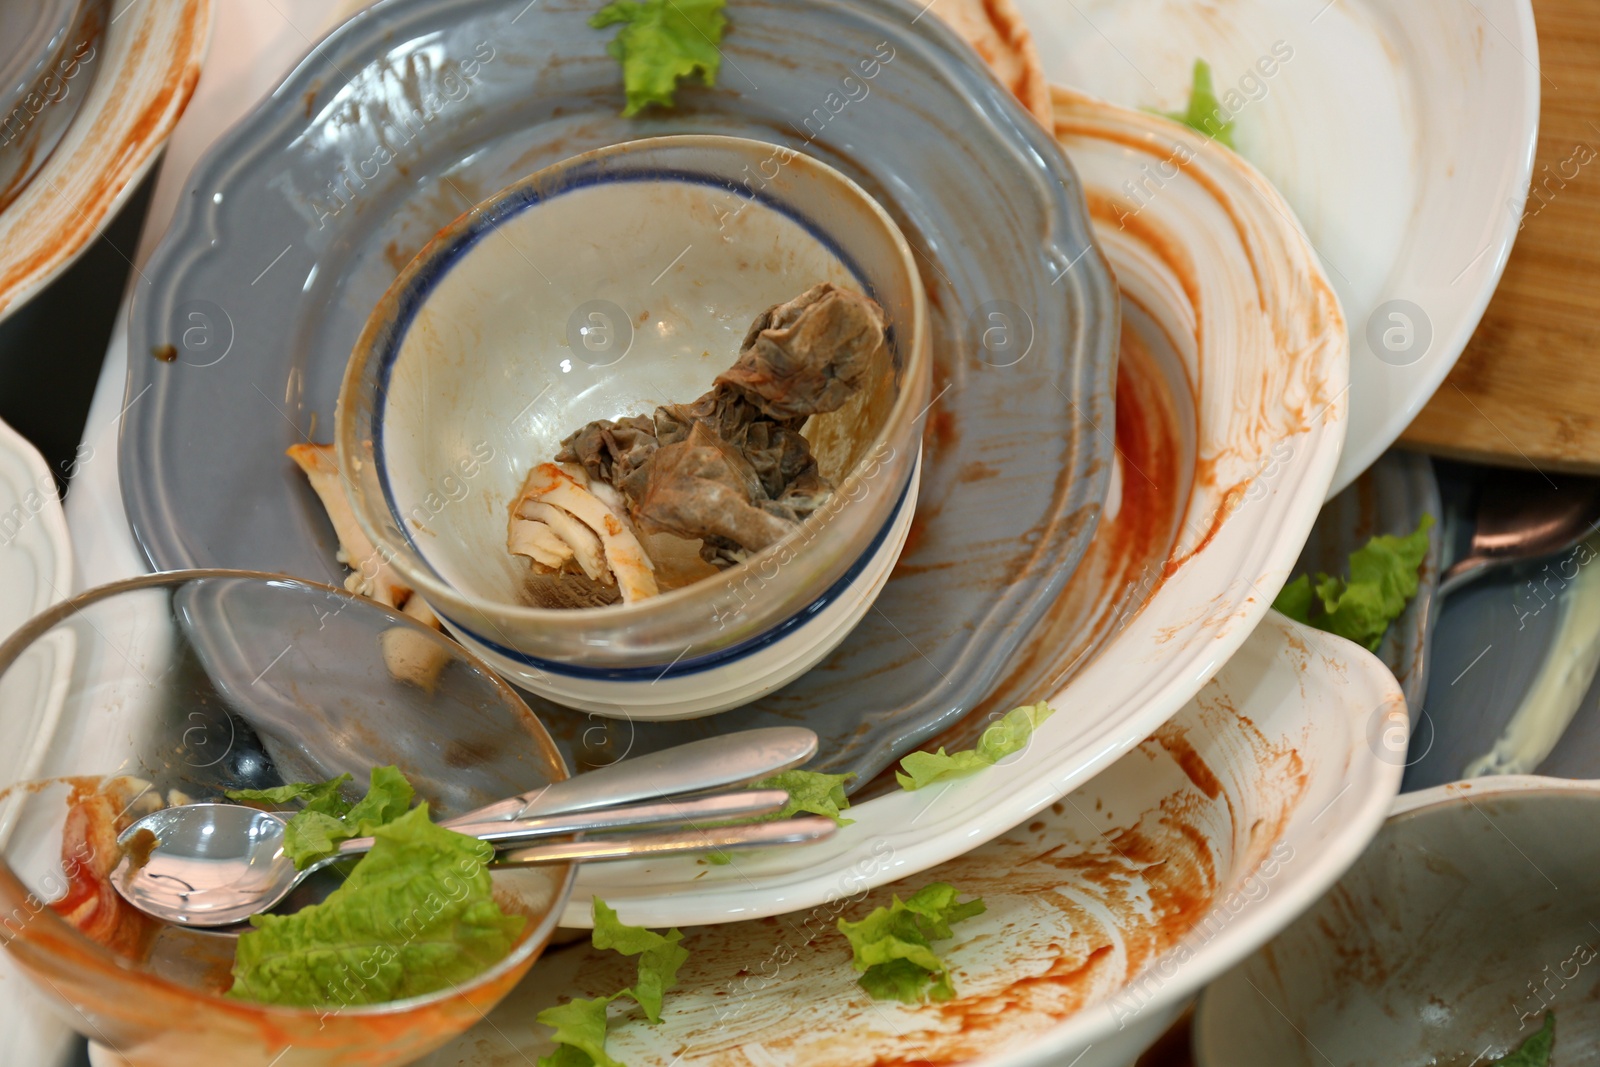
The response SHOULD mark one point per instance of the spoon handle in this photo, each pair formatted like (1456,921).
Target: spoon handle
(672,842)
(714,808)
(711,763)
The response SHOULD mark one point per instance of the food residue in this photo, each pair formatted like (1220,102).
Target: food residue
(580,1024)
(410,656)
(417,913)
(720,478)
(1004,737)
(893,946)
(139,846)
(97,813)
(1383,579)
(661,42)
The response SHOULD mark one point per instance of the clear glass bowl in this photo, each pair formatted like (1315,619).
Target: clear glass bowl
(601,287)
(183,684)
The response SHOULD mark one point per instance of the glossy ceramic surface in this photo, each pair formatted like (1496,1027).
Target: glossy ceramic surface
(145,66)
(1391,497)
(183,685)
(1105,912)
(262,295)
(1468,918)
(1401,135)
(1249,367)
(662,249)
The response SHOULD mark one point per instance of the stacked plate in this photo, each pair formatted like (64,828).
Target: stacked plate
(1109,502)
(90,90)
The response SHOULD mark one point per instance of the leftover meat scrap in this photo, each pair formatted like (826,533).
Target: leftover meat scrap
(730,469)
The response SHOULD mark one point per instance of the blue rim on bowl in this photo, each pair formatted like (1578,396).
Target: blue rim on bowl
(649,638)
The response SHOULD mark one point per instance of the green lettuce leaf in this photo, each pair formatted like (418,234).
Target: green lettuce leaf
(660,956)
(416,915)
(810,792)
(1383,579)
(580,1033)
(893,946)
(1535,1051)
(580,1025)
(317,831)
(312,835)
(1205,113)
(316,796)
(388,797)
(1005,736)
(660,42)
(1294,600)
(327,818)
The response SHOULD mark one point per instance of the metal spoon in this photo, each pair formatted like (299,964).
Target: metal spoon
(711,763)
(1522,517)
(219,864)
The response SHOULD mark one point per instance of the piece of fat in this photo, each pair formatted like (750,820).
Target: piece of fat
(583,543)
(528,537)
(413,657)
(370,574)
(549,484)
(410,656)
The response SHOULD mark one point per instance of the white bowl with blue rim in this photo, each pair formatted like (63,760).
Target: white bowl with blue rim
(601,287)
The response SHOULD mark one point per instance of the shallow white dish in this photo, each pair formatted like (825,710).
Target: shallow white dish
(1469,917)
(1269,366)
(35,572)
(145,66)
(1105,913)
(1402,135)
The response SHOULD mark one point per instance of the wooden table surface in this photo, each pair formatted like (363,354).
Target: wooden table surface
(1526,391)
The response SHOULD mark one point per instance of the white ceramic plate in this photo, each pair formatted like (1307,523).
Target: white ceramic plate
(1402,132)
(1105,913)
(35,571)
(145,66)
(1224,280)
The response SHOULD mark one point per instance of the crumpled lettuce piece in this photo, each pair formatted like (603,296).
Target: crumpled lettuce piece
(322,797)
(313,834)
(810,792)
(580,1025)
(660,956)
(1205,113)
(893,946)
(580,1033)
(1535,1051)
(416,915)
(1007,735)
(1383,579)
(660,42)
(328,818)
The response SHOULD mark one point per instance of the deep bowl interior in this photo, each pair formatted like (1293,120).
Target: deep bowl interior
(601,288)
(604,287)
(1463,923)
(187,684)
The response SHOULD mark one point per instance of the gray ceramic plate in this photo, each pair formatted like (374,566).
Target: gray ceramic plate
(1389,498)
(301,216)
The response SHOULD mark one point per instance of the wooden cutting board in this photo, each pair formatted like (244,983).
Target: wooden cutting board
(1526,392)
